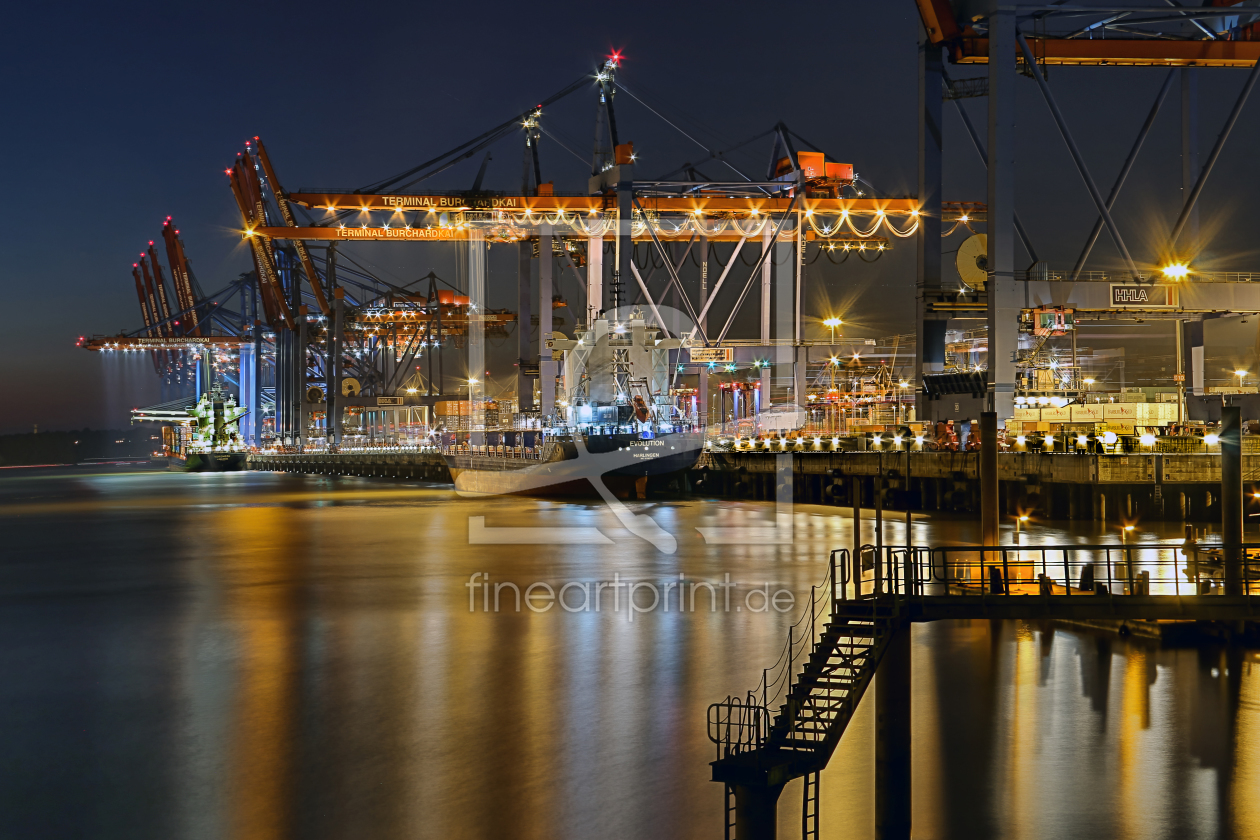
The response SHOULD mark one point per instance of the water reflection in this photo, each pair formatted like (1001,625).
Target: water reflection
(261,656)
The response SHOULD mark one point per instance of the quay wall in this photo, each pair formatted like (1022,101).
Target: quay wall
(1111,488)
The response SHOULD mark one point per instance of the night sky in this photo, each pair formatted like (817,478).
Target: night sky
(119,115)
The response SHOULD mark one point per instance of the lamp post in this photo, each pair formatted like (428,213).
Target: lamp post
(832,323)
(1241,374)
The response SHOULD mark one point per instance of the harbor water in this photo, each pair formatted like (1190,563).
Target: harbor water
(260,655)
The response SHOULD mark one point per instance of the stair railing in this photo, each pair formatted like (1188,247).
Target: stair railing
(741,724)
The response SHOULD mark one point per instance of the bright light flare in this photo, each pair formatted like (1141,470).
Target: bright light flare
(1176,271)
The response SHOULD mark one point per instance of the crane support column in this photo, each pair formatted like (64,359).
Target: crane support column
(546,367)
(299,377)
(1232,497)
(335,410)
(524,347)
(989,513)
(930,343)
(766,238)
(784,311)
(702,375)
(1003,298)
(256,403)
(476,330)
(892,739)
(245,372)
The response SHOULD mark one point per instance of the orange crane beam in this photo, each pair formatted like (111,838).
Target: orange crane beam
(157,300)
(181,277)
(966,47)
(286,213)
(1120,52)
(706,205)
(144,310)
(451,234)
(177,342)
(248,194)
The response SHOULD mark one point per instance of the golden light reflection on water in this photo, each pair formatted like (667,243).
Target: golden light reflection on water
(1245,809)
(260,549)
(334,683)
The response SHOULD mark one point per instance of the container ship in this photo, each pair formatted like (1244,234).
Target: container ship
(201,438)
(616,425)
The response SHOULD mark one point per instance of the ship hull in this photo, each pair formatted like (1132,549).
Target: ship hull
(623,464)
(212,462)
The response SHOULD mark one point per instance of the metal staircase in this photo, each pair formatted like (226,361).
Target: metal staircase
(824,696)
(813,707)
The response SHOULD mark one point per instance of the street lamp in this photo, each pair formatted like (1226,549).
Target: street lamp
(833,323)
(1241,374)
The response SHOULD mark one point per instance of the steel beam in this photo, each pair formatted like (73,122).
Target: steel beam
(1126,167)
(1232,498)
(524,347)
(767,238)
(546,367)
(785,264)
(1120,52)
(332,349)
(647,295)
(1190,146)
(979,145)
(704,310)
(928,266)
(1059,121)
(1003,301)
(536,205)
(1184,219)
(989,509)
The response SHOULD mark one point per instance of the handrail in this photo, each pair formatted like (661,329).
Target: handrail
(1185,568)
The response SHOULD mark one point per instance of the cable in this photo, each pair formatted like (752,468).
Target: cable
(379,185)
(561,144)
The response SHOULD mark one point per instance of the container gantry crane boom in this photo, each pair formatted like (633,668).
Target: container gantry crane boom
(174,327)
(157,299)
(144,311)
(248,194)
(181,277)
(286,213)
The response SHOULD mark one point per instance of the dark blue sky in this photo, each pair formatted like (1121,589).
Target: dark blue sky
(118,115)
